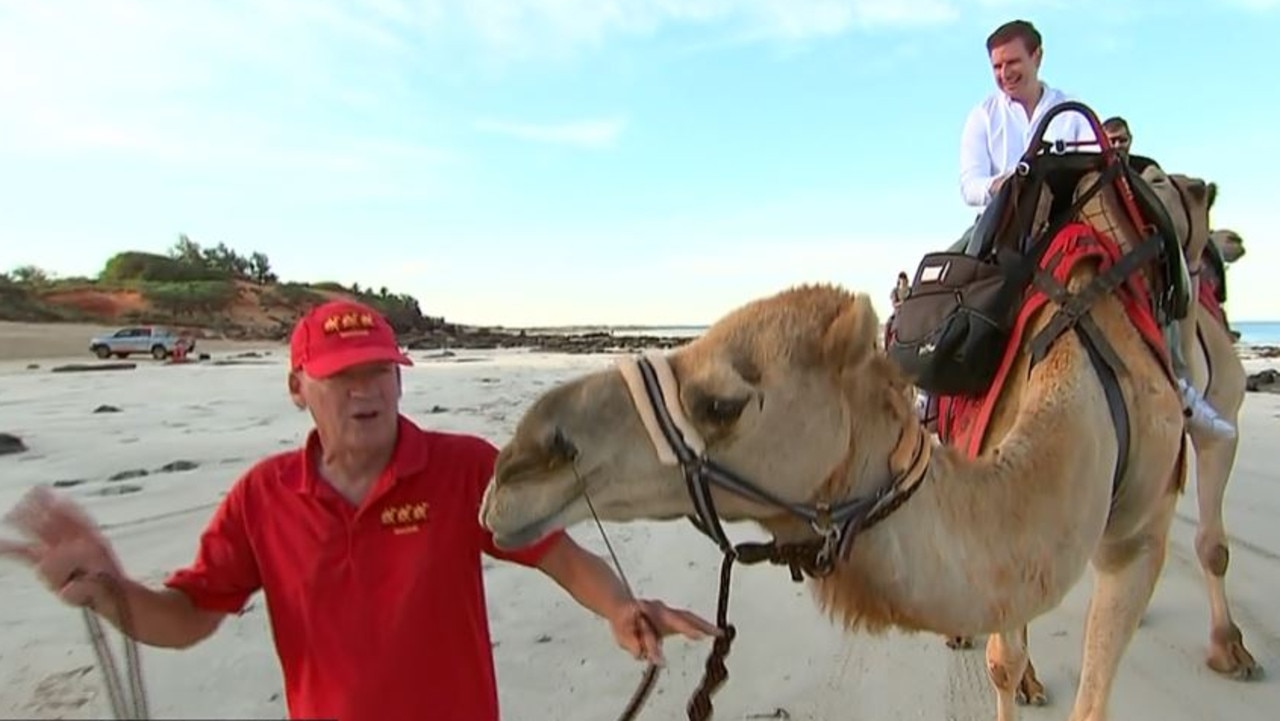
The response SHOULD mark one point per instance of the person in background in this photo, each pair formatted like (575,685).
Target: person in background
(366,542)
(900,290)
(1199,412)
(998,130)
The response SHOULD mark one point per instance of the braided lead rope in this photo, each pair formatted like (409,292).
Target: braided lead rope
(130,703)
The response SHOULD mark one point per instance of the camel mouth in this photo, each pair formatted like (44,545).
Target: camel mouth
(534,531)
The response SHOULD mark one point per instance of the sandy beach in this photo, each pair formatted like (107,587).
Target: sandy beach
(553,660)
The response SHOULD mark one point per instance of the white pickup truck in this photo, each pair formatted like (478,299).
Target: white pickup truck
(156,340)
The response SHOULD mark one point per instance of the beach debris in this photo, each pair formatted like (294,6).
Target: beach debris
(778,712)
(1266,381)
(176,466)
(242,362)
(10,443)
(126,475)
(120,490)
(33,366)
(86,367)
(1266,351)
(68,482)
(104,408)
(437,409)
(544,638)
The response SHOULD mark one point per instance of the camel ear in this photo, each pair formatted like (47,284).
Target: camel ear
(851,337)
(1213,195)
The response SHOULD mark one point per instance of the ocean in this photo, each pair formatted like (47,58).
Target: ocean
(1255,332)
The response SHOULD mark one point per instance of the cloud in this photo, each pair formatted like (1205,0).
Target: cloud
(597,133)
(529,27)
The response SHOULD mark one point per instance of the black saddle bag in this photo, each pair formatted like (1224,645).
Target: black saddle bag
(951,332)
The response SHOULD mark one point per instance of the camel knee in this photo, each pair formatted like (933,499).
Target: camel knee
(1213,554)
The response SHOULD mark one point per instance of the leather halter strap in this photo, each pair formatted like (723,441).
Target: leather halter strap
(655,395)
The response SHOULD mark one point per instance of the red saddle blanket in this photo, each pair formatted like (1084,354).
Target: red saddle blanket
(963,420)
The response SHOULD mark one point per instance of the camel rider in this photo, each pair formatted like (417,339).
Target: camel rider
(1198,410)
(999,129)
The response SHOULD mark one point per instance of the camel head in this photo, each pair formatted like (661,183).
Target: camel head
(1229,242)
(782,390)
(1186,199)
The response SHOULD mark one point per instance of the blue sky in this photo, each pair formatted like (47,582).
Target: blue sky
(529,162)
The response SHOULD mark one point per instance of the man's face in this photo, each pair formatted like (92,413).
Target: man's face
(1016,70)
(355,409)
(1120,139)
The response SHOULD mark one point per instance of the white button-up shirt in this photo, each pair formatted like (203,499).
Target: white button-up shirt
(997,133)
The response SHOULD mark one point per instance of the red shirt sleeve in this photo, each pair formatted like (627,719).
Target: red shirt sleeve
(529,555)
(224,573)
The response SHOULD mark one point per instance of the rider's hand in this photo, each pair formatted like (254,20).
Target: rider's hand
(998,182)
(63,545)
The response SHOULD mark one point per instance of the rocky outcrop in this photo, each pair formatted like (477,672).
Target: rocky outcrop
(1266,381)
(488,339)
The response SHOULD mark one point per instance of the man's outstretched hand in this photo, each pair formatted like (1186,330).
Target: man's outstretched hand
(62,544)
(640,626)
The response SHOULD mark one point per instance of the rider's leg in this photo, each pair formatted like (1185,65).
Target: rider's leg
(1195,407)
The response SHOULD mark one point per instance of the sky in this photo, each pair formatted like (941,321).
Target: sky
(558,162)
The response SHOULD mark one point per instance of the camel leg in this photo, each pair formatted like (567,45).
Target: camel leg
(1227,654)
(1006,663)
(1125,576)
(1030,690)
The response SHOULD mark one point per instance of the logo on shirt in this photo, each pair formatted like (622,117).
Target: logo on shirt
(404,517)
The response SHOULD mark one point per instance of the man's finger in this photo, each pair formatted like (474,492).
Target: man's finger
(693,623)
(649,639)
(19,551)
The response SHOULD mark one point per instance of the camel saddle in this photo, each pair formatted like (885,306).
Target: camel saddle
(951,332)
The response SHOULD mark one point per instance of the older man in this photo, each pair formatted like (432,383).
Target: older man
(365,540)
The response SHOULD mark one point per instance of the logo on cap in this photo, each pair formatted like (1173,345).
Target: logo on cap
(347,323)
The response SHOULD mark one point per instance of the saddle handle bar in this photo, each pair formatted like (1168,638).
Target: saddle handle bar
(1039,144)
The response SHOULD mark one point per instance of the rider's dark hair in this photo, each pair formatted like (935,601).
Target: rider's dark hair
(1115,122)
(1015,30)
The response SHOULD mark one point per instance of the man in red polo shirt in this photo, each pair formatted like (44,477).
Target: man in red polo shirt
(365,541)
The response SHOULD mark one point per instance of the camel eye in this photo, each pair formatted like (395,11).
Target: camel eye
(561,447)
(721,411)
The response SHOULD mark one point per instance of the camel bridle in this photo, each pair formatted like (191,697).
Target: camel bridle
(654,391)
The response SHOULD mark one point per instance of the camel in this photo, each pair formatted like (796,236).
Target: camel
(1218,373)
(1229,243)
(792,393)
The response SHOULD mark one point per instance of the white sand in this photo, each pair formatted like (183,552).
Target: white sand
(786,656)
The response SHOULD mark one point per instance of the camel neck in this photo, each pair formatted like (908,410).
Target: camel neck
(987,531)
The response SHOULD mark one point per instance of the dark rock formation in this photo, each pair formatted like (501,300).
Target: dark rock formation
(454,338)
(10,443)
(1267,381)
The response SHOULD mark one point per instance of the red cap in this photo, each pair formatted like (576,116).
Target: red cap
(339,334)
